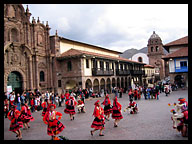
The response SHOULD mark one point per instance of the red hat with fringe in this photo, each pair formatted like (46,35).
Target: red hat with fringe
(181,100)
(53,106)
(96,103)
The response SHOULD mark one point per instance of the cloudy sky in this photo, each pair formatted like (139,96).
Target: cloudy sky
(114,26)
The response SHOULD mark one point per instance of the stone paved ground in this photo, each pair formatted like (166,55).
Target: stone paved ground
(153,122)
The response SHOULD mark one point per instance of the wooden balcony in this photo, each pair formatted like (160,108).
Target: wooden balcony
(102,72)
(137,72)
(122,72)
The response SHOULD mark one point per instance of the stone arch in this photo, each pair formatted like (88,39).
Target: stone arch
(118,82)
(17,70)
(113,82)
(88,84)
(96,85)
(102,83)
(108,85)
(129,81)
(122,83)
(126,85)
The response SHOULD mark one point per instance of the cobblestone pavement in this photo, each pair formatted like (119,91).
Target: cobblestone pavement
(153,122)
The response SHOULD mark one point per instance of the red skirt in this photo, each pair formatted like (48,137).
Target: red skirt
(98,124)
(26,117)
(16,125)
(117,114)
(44,111)
(70,110)
(108,110)
(54,127)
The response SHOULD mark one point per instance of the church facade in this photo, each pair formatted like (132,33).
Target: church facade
(27,56)
(35,60)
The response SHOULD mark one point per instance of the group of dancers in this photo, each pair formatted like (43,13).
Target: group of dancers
(101,114)
(19,118)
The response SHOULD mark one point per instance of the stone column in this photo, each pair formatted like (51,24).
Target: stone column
(30,73)
(51,73)
(36,72)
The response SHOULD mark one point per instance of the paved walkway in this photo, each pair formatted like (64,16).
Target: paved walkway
(153,122)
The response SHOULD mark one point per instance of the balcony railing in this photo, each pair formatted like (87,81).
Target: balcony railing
(102,72)
(122,72)
(137,72)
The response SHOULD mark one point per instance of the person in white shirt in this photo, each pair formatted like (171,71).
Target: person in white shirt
(56,100)
(47,95)
(12,98)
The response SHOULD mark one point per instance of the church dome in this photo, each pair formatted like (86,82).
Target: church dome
(154,36)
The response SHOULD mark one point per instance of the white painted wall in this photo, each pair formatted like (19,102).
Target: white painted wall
(143,55)
(171,66)
(65,46)
(87,71)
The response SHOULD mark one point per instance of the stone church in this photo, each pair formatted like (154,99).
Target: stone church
(28,60)
(155,54)
(35,60)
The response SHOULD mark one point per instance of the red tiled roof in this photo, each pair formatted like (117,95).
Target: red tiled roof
(183,52)
(180,41)
(148,66)
(75,52)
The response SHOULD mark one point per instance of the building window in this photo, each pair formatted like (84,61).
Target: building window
(151,49)
(14,35)
(140,59)
(42,76)
(125,66)
(121,66)
(101,65)
(107,65)
(87,63)
(183,64)
(157,48)
(59,83)
(116,66)
(69,66)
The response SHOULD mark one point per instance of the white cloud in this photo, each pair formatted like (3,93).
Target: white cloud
(115,26)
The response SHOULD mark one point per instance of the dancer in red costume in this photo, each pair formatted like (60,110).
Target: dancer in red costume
(133,107)
(54,125)
(16,123)
(26,116)
(116,112)
(45,106)
(70,107)
(99,121)
(107,107)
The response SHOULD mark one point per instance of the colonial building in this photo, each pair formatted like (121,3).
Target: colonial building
(35,60)
(28,61)
(177,61)
(149,77)
(155,53)
(87,66)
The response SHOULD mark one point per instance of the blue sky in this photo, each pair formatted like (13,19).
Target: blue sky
(114,26)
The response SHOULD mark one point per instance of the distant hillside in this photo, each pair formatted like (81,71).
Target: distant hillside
(130,52)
